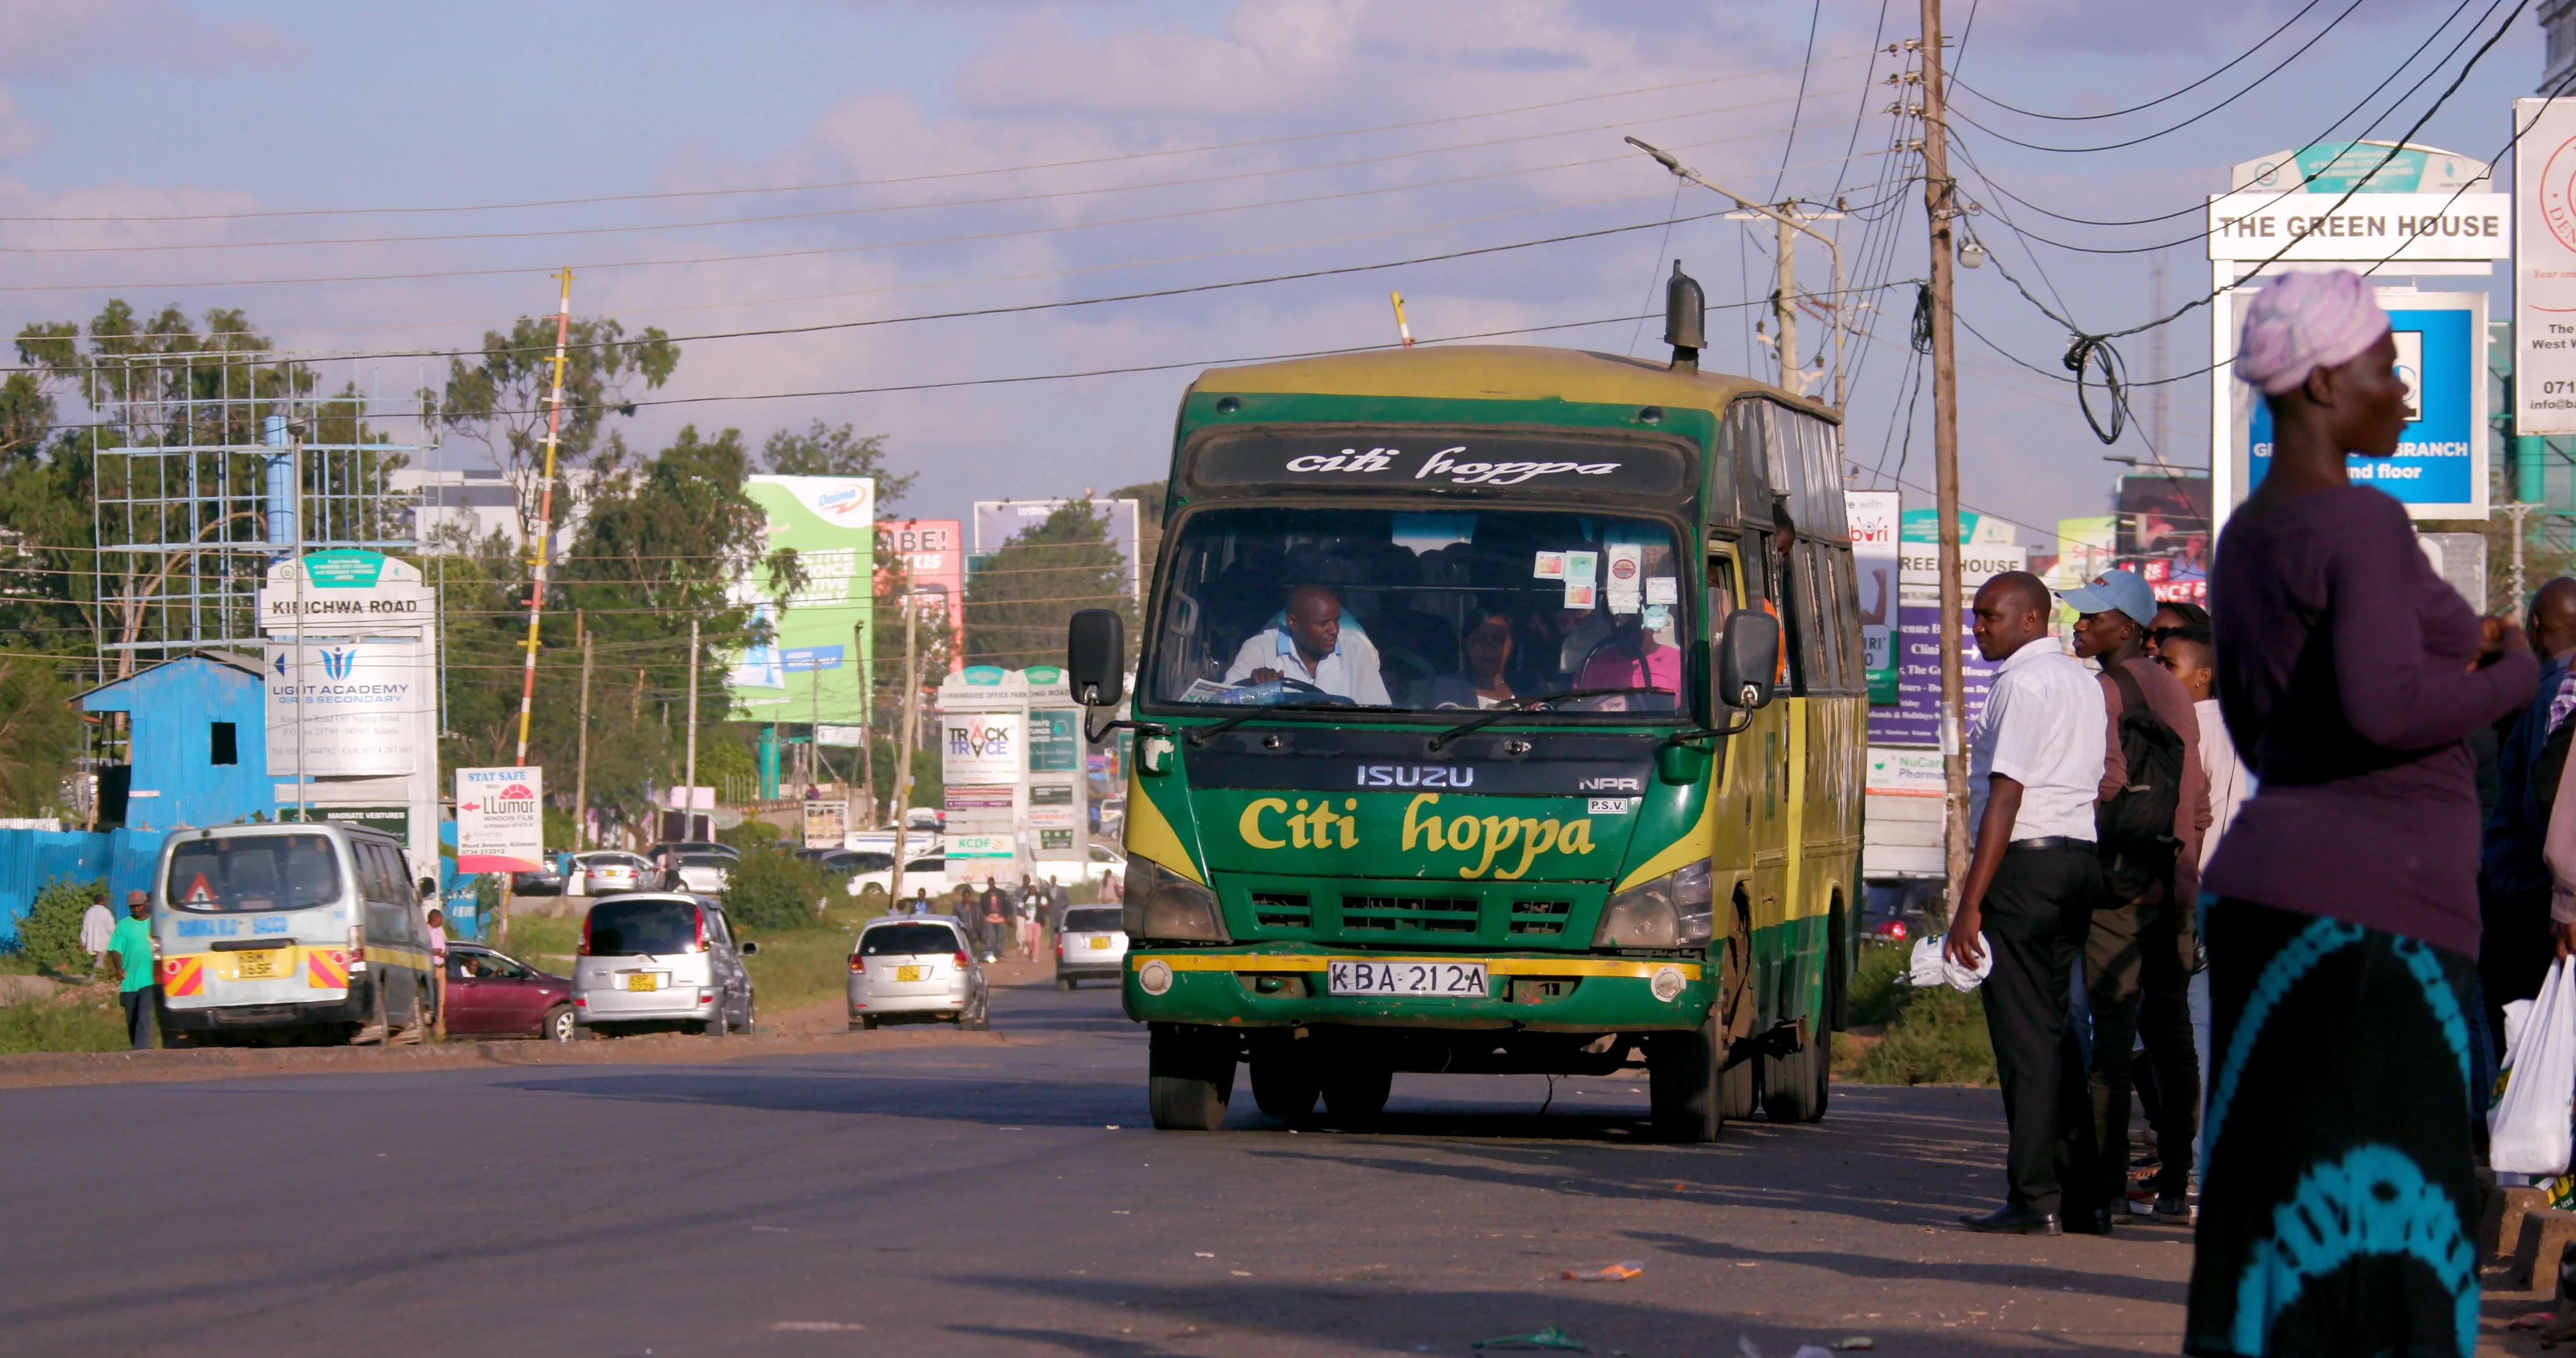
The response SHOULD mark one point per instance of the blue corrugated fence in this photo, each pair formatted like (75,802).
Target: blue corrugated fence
(31,858)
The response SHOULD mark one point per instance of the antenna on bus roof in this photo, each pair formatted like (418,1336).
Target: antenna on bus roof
(1685,319)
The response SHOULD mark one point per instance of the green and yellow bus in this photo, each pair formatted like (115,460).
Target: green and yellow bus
(1457,747)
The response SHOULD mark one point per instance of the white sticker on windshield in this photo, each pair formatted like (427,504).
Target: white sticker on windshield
(1662,589)
(1659,617)
(1578,593)
(1582,567)
(1610,806)
(1549,566)
(1623,600)
(1627,562)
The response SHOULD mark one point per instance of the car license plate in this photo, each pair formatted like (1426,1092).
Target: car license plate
(643,980)
(1100,943)
(910,973)
(257,966)
(1445,980)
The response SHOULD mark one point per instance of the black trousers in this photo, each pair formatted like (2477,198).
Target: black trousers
(138,1015)
(2514,950)
(2137,981)
(2037,914)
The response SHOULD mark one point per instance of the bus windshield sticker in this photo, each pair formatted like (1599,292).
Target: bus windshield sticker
(1659,617)
(1484,462)
(1624,557)
(1578,595)
(1622,600)
(1581,568)
(1662,589)
(1548,566)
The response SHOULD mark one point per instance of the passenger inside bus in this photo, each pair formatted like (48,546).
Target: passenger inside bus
(1421,611)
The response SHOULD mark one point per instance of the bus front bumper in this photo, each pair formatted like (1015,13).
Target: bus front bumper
(1539,993)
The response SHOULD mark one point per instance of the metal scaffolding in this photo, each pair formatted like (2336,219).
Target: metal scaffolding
(211,466)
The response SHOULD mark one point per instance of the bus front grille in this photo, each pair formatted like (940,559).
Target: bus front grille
(1540,917)
(1282,909)
(1409,914)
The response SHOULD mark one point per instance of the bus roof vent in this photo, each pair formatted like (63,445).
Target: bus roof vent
(1685,319)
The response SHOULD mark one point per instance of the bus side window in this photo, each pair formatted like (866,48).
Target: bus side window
(1749,434)
(1824,617)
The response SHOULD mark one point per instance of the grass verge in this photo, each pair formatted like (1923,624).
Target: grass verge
(63,1023)
(1904,1036)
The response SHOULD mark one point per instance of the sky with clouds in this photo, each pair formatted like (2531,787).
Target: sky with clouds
(358,178)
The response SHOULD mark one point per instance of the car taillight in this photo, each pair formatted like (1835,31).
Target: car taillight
(702,929)
(963,961)
(583,948)
(858,964)
(357,947)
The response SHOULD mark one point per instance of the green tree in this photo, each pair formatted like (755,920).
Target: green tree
(1018,603)
(39,735)
(501,398)
(824,451)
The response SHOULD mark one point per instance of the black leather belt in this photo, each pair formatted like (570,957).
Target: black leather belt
(2045,842)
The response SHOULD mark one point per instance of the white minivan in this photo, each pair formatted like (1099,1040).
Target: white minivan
(288,933)
(661,960)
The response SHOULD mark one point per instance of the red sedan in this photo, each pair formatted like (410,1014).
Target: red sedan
(491,994)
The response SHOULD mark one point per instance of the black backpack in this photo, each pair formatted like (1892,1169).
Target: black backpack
(2135,827)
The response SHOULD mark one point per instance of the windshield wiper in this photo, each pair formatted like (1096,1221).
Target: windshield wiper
(1515,706)
(1201,735)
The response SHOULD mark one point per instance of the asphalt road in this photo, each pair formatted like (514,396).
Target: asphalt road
(1009,1199)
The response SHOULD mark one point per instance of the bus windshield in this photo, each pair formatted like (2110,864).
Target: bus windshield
(1420,612)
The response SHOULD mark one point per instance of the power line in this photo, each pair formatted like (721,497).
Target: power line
(1954,82)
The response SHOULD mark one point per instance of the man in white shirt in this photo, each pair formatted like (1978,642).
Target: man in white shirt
(2034,767)
(1309,646)
(96,924)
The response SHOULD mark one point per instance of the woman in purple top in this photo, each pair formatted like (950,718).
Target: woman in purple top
(2339,1198)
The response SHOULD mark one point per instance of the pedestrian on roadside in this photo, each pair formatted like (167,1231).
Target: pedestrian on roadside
(2172,616)
(996,908)
(1059,900)
(2193,657)
(2515,945)
(1112,890)
(98,924)
(437,921)
(132,952)
(2343,937)
(2141,951)
(2034,769)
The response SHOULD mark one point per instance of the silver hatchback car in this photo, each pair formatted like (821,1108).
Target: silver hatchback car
(659,960)
(917,969)
(1090,945)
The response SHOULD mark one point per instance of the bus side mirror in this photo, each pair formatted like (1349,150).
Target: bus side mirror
(1748,655)
(1095,657)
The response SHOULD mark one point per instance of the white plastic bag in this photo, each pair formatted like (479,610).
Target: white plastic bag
(1931,965)
(2528,1129)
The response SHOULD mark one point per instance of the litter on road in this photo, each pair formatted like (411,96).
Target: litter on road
(1619,1272)
(1544,1337)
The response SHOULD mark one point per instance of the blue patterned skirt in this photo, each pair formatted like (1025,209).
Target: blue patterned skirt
(2339,1199)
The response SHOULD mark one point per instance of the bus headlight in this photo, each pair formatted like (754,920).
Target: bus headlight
(1672,911)
(1155,977)
(1162,904)
(1667,985)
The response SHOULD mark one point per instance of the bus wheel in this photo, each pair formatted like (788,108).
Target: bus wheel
(1283,1083)
(1189,1076)
(1795,1086)
(1739,1090)
(1682,1079)
(1357,1095)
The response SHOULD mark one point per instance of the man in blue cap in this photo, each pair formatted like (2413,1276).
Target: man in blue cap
(2143,949)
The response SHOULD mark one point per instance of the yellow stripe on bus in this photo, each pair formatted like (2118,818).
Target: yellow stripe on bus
(1499,966)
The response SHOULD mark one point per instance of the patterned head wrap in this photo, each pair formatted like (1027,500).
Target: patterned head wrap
(2301,322)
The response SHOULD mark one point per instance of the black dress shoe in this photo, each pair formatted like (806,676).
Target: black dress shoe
(2094,1222)
(2011,1220)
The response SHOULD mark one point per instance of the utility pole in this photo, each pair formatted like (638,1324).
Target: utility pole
(1789,219)
(581,760)
(867,720)
(2520,513)
(545,515)
(689,776)
(1940,208)
(903,757)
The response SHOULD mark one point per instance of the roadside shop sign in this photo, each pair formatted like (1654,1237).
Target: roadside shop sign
(981,846)
(2544,266)
(981,747)
(500,819)
(2439,469)
(1872,515)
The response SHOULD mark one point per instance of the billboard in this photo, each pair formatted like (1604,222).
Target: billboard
(934,552)
(2439,470)
(815,665)
(998,521)
(500,821)
(348,705)
(2544,266)
(1916,717)
(1873,516)
(980,748)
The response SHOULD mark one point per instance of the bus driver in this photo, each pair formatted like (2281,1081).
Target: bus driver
(1308,646)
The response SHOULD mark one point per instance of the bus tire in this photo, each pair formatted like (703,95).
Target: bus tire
(1739,1090)
(1796,1086)
(1682,1082)
(1189,1076)
(1357,1093)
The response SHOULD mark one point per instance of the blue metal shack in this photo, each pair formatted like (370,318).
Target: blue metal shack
(200,741)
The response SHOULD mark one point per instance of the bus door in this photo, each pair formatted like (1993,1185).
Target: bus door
(1765,772)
